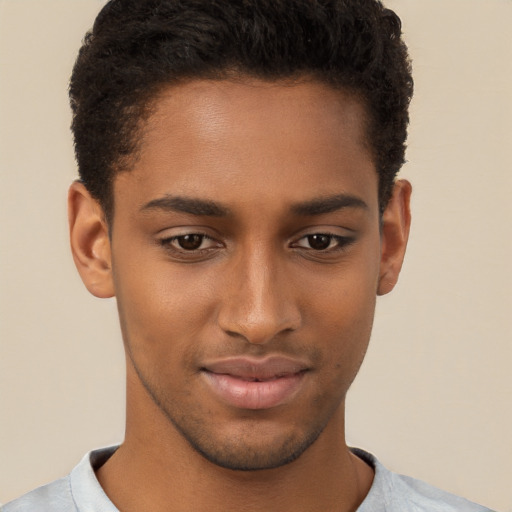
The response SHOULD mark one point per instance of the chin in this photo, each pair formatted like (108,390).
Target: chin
(250,447)
(242,456)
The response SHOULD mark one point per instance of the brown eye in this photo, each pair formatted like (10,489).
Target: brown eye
(190,242)
(324,242)
(191,247)
(319,242)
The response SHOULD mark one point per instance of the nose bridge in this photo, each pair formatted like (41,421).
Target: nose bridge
(259,303)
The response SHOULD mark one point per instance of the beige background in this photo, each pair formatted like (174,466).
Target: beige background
(434,396)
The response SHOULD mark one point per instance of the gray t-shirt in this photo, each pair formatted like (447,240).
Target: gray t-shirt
(80,491)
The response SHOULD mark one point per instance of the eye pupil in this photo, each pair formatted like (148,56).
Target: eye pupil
(319,242)
(190,242)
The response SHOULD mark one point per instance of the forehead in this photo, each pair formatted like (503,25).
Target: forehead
(214,109)
(249,139)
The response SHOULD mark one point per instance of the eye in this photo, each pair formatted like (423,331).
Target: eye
(323,242)
(189,242)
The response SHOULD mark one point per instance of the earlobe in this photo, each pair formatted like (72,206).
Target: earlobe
(396,222)
(90,243)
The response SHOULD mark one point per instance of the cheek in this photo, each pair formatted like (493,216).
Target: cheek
(345,339)
(348,325)
(344,297)
(341,314)
(160,305)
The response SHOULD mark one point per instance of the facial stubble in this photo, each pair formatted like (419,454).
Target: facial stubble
(238,453)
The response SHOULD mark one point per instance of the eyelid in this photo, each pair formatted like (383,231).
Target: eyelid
(185,229)
(342,242)
(167,241)
(171,238)
(331,235)
(339,242)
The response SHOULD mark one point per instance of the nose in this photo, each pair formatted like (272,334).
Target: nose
(258,303)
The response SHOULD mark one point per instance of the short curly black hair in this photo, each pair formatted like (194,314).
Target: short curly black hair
(137,47)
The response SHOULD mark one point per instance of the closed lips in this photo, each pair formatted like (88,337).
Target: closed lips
(269,368)
(255,384)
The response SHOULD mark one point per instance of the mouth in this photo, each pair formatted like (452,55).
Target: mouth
(248,383)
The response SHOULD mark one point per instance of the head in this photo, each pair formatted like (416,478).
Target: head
(137,48)
(238,199)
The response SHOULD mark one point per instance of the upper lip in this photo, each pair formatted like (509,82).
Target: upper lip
(270,367)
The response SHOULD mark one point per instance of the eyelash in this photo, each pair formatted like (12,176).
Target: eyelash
(342,243)
(168,243)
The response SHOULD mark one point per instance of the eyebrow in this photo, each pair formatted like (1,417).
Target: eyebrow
(328,205)
(204,207)
(188,205)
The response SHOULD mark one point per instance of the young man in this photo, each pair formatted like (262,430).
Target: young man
(238,198)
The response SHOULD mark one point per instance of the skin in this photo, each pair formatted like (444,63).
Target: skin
(258,284)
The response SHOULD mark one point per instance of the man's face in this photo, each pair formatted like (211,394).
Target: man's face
(245,253)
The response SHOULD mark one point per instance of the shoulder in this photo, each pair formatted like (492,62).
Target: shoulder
(391,492)
(79,491)
(53,497)
(422,497)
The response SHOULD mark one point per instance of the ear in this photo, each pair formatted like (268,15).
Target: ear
(90,243)
(396,222)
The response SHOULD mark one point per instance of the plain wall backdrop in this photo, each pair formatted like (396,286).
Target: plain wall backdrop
(433,399)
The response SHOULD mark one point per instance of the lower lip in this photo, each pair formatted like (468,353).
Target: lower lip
(254,395)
